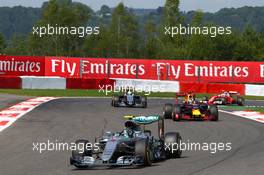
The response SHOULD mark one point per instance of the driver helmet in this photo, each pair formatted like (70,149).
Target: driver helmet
(190,98)
(130,128)
(129,132)
(225,94)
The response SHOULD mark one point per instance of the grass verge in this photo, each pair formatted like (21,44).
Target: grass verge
(242,108)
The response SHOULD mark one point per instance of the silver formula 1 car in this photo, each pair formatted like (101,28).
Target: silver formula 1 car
(133,146)
(129,99)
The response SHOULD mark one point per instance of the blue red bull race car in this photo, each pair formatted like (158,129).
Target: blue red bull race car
(186,107)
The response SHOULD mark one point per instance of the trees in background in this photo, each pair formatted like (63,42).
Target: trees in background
(248,45)
(105,11)
(118,39)
(171,47)
(62,13)
(199,46)
(18,45)
(2,43)
(123,33)
(151,44)
(260,56)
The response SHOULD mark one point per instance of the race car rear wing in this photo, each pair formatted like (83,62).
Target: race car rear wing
(233,92)
(146,120)
(180,94)
(143,120)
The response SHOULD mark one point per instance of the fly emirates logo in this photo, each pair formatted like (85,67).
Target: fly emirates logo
(216,71)
(175,71)
(92,68)
(19,66)
(210,70)
(113,69)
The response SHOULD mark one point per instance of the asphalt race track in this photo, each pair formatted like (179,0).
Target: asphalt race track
(66,120)
(7,100)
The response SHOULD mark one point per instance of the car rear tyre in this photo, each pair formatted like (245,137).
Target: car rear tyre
(172,145)
(224,101)
(213,111)
(112,101)
(167,111)
(205,98)
(176,115)
(240,101)
(115,101)
(161,128)
(144,102)
(81,153)
(142,149)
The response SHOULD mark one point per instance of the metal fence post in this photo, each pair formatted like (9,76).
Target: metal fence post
(199,74)
(167,71)
(158,68)
(108,68)
(81,68)
(137,71)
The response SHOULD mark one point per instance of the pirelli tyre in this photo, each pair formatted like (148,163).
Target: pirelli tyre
(205,98)
(77,154)
(142,150)
(177,113)
(223,100)
(112,101)
(167,111)
(115,101)
(240,101)
(144,102)
(161,127)
(213,112)
(172,145)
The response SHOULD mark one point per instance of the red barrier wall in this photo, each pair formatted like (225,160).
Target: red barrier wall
(211,87)
(101,68)
(22,65)
(216,88)
(193,87)
(82,83)
(10,83)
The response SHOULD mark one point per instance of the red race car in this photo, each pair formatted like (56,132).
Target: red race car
(187,108)
(227,98)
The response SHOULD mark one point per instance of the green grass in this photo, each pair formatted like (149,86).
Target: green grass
(91,93)
(254,97)
(242,108)
(53,93)
(258,110)
(71,93)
